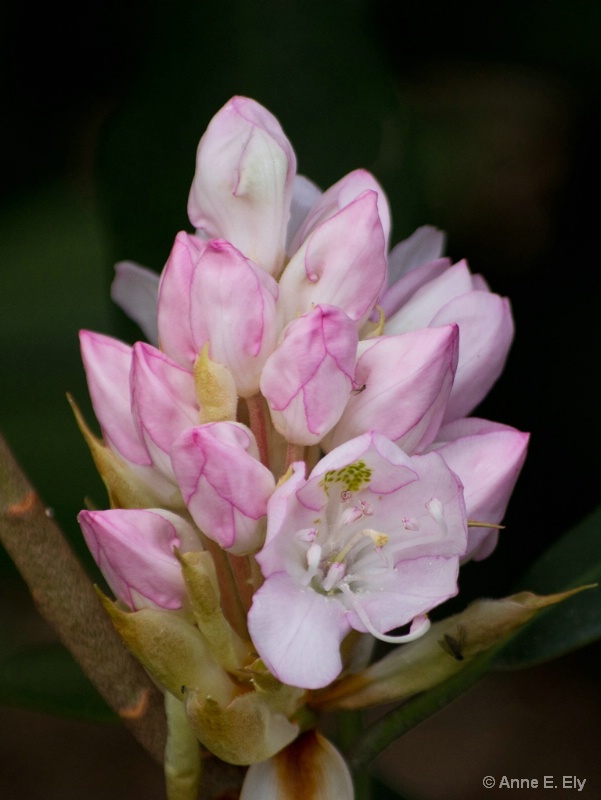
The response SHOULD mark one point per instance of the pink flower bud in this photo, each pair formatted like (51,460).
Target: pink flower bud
(485,328)
(242,188)
(308,379)
(135,289)
(134,551)
(163,402)
(487,457)
(232,307)
(107,363)
(223,483)
(342,262)
(175,289)
(337,197)
(404,383)
(210,293)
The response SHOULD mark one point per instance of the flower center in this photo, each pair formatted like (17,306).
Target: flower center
(346,558)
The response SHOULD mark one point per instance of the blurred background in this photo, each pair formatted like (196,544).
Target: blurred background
(481,119)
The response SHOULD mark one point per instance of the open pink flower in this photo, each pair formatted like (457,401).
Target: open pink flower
(370,541)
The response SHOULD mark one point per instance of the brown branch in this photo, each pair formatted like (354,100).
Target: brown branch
(66,598)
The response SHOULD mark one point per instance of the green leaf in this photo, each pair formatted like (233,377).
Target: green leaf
(401,719)
(46,678)
(574,560)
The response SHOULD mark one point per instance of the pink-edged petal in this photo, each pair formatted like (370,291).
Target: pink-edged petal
(404,383)
(342,194)
(341,263)
(426,244)
(413,588)
(134,551)
(396,295)
(107,363)
(382,466)
(488,458)
(232,307)
(485,336)
(223,484)
(175,334)
(282,503)
(163,400)
(308,379)
(304,196)
(420,309)
(242,188)
(297,632)
(135,290)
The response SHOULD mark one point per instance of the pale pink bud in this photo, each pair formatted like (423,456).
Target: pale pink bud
(487,457)
(134,551)
(163,402)
(342,263)
(426,244)
(232,307)
(175,334)
(223,483)
(485,329)
(485,336)
(211,294)
(107,363)
(304,195)
(308,379)
(242,188)
(404,383)
(337,197)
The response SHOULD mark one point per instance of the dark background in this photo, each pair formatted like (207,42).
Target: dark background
(481,119)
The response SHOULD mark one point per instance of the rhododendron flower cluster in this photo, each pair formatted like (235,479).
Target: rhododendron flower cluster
(290,458)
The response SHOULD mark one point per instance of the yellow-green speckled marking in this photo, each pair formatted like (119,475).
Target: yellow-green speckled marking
(353,476)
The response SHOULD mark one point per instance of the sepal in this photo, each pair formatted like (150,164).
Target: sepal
(252,728)
(444,650)
(128,485)
(172,650)
(226,646)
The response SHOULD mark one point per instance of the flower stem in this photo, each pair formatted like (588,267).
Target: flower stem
(256,414)
(295,452)
(231,602)
(243,576)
